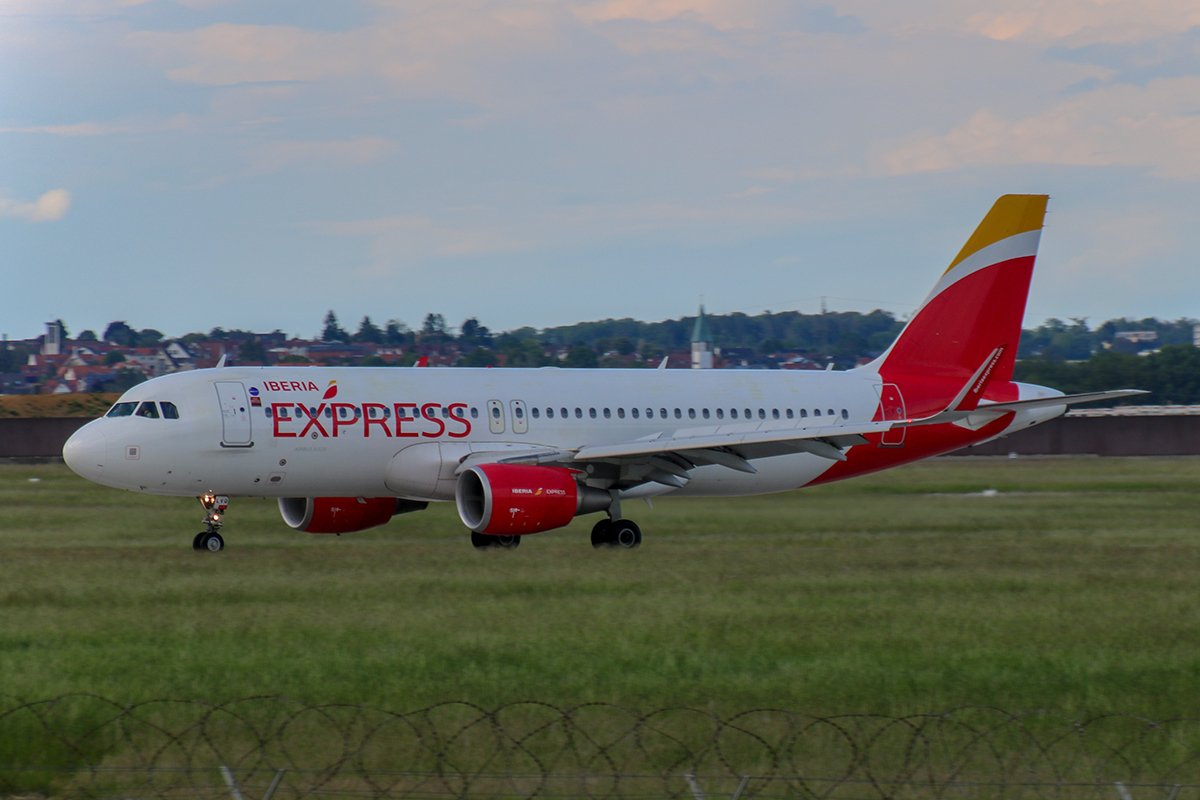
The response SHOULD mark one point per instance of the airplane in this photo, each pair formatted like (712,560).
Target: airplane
(522,451)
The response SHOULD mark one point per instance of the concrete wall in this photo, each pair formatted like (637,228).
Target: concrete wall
(1104,436)
(1175,435)
(36,438)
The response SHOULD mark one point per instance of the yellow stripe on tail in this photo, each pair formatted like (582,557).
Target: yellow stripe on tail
(1011,214)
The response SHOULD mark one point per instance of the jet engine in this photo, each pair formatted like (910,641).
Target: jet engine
(342,514)
(513,499)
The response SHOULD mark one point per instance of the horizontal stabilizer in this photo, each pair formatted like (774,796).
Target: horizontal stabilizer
(953,415)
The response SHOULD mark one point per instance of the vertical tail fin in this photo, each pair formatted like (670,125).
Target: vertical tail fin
(969,326)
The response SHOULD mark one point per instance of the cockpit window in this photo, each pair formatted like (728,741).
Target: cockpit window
(148,410)
(169,411)
(122,410)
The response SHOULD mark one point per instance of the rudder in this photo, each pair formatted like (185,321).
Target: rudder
(975,310)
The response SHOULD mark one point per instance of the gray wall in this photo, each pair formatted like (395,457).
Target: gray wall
(1177,435)
(36,438)
(1104,436)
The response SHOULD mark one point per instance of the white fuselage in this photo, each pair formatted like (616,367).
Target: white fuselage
(296,432)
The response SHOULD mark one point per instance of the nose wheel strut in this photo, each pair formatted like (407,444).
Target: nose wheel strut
(209,540)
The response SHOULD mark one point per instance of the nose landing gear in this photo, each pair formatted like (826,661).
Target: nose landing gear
(209,540)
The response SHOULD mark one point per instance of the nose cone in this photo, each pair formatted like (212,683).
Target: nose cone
(85,452)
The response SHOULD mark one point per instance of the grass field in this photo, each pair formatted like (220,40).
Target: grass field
(1071,587)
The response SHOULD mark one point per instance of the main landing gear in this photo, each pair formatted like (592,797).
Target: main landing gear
(622,533)
(209,540)
(486,541)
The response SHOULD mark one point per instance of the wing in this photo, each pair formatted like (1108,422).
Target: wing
(667,458)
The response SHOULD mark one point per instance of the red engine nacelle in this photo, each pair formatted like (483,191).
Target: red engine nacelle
(513,499)
(341,514)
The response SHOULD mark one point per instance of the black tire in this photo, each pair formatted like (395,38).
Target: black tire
(602,534)
(487,541)
(626,534)
(196,545)
(212,543)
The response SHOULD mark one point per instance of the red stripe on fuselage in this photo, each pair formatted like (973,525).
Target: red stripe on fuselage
(920,442)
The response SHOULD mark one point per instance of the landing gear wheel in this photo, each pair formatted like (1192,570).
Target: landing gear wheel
(620,533)
(625,534)
(602,534)
(208,542)
(486,541)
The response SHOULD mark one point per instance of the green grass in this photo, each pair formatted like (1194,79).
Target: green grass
(1074,589)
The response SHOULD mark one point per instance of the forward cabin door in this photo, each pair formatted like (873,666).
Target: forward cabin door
(235,414)
(891,403)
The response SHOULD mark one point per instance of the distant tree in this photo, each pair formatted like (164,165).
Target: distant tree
(88,335)
(368,332)
(120,333)
(292,358)
(582,357)
(332,331)
(434,328)
(525,353)
(474,334)
(478,357)
(624,345)
(148,337)
(397,333)
(62,326)
(372,361)
(114,357)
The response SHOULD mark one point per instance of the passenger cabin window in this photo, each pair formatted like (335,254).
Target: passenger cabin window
(148,410)
(634,412)
(620,413)
(563,413)
(122,410)
(733,413)
(720,413)
(845,414)
(607,414)
(704,413)
(474,412)
(495,412)
(790,414)
(536,412)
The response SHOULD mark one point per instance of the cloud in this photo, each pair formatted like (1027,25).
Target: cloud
(174,123)
(50,207)
(325,153)
(1085,21)
(1152,128)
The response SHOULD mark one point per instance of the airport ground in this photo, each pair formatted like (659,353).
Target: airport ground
(1063,584)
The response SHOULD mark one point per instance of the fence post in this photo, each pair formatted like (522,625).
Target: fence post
(274,784)
(234,791)
(741,787)
(697,792)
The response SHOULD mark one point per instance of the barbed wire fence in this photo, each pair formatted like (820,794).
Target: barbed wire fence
(86,746)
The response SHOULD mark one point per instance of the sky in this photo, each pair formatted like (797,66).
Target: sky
(190,164)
